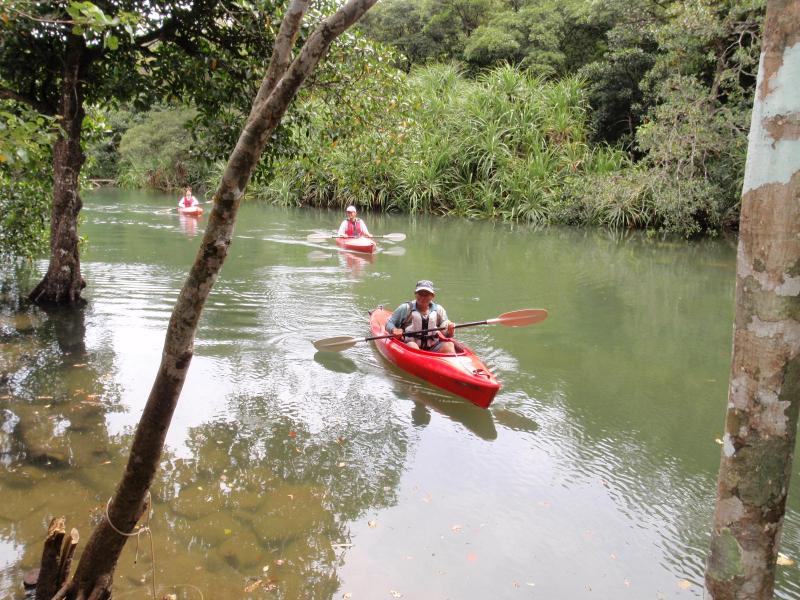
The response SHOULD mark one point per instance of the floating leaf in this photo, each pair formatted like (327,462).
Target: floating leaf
(784,560)
(684,585)
(395,594)
(373,524)
(456,528)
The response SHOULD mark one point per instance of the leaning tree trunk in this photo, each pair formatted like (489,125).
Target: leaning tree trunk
(764,393)
(62,283)
(94,573)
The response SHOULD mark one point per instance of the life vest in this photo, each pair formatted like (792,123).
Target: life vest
(353,228)
(416,322)
(188,201)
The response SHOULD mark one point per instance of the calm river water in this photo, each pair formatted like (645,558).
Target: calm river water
(295,474)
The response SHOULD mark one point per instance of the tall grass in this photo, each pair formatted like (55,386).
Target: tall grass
(508,145)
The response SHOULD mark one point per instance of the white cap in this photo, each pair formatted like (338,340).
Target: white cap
(350,208)
(424,284)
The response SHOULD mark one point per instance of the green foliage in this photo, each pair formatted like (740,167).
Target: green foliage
(25,142)
(156,152)
(545,36)
(104,130)
(508,145)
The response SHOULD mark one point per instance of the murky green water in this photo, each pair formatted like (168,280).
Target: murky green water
(295,474)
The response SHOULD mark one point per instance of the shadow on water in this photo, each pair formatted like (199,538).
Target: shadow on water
(478,421)
(333,361)
(513,420)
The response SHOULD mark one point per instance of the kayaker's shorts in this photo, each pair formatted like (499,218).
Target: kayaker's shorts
(436,346)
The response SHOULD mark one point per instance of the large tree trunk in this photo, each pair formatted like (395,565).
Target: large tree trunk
(62,283)
(764,393)
(94,573)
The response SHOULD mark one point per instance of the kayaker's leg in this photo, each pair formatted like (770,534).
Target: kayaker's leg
(446,348)
(414,345)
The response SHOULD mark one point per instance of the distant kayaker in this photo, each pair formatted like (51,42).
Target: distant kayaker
(352,226)
(422,314)
(187,200)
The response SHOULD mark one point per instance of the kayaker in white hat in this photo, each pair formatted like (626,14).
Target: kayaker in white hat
(422,314)
(352,226)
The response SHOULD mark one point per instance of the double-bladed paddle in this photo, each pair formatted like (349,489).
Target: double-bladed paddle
(319,237)
(515,318)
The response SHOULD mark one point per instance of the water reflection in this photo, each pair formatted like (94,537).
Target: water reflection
(477,421)
(355,262)
(189,223)
(323,475)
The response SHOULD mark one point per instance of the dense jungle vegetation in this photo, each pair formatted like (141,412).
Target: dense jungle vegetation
(618,113)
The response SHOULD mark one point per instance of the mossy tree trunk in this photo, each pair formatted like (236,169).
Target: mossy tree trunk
(764,392)
(285,75)
(62,284)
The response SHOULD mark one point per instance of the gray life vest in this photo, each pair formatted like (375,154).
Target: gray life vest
(416,322)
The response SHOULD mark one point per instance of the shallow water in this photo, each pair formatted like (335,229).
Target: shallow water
(292,473)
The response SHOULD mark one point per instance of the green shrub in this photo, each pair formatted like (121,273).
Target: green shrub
(157,153)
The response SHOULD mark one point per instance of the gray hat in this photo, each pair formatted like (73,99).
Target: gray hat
(424,284)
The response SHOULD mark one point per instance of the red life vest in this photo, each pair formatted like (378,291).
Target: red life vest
(353,228)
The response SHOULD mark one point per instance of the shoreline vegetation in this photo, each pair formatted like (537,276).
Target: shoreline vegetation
(505,145)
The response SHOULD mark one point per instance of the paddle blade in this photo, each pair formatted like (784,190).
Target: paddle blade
(317,237)
(394,237)
(336,344)
(520,318)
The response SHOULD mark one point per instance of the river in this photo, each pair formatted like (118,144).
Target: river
(291,473)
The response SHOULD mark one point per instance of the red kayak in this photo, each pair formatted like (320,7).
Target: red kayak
(462,374)
(190,210)
(357,244)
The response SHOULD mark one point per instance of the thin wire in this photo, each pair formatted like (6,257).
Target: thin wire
(137,533)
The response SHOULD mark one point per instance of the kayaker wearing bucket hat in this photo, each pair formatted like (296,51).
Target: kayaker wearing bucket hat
(352,226)
(423,314)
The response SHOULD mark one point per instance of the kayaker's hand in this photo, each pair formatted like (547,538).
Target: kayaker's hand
(397,332)
(451,329)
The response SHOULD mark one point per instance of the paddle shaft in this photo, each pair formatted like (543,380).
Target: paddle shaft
(392,237)
(517,318)
(427,332)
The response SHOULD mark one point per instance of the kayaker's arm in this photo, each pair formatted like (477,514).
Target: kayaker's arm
(447,325)
(398,316)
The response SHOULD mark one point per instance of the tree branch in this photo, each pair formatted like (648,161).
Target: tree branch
(8,94)
(282,49)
